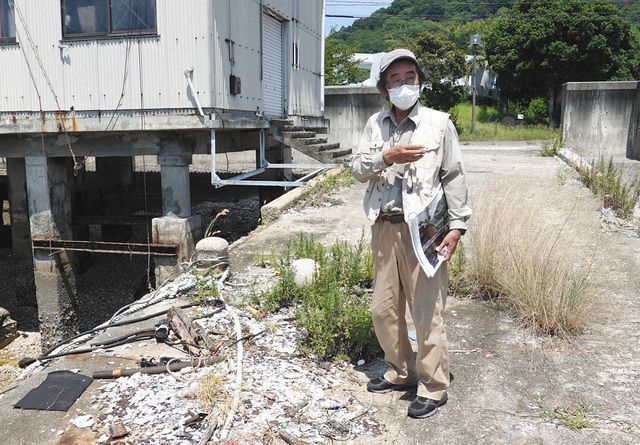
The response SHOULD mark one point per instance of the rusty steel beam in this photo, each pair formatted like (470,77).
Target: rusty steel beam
(168,250)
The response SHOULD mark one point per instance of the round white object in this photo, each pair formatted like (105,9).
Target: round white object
(304,270)
(212,247)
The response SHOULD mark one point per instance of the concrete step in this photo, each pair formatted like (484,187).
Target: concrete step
(325,147)
(337,153)
(318,130)
(298,134)
(314,141)
(293,128)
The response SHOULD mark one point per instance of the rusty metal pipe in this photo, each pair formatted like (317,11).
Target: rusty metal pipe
(126,372)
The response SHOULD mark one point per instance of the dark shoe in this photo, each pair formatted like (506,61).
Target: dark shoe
(422,407)
(380,385)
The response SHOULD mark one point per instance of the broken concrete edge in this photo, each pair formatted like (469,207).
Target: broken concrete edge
(573,160)
(272,210)
(577,162)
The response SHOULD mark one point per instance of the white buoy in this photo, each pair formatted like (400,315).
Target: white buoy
(304,269)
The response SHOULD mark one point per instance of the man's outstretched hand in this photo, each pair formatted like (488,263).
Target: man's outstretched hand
(450,241)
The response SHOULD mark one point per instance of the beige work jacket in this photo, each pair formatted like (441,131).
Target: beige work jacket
(421,179)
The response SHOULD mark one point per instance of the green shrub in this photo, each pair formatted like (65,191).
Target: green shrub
(605,179)
(334,309)
(537,111)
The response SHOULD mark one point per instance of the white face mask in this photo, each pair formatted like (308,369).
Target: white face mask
(404,96)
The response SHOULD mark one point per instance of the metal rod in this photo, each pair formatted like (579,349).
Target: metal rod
(263,155)
(106,247)
(214,174)
(309,176)
(303,166)
(262,183)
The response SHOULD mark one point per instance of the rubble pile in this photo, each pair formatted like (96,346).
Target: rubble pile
(283,392)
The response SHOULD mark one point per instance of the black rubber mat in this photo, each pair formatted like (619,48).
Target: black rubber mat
(58,392)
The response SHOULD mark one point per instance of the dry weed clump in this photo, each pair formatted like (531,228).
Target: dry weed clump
(211,392)
(518,256)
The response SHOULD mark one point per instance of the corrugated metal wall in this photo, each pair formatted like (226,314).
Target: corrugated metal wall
(272,66)
(88,74)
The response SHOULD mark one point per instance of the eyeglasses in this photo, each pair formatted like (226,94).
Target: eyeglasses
(409,80)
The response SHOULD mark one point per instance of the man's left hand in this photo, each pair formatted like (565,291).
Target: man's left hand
(450,241)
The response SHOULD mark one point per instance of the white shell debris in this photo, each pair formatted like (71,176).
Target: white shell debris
(282,389)
(83,421)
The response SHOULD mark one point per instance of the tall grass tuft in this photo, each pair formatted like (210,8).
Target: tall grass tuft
(333,310)
(517,257)
(605,179)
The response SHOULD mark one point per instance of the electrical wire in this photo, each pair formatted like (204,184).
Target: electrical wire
(16,10)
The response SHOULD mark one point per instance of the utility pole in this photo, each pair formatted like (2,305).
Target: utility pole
(475,41)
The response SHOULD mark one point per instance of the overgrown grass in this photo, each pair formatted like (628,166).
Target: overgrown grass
(517,257)
(573,417)
(333,309)
(327,184)
(489,126)
(550,149)
(606,180)
(206,289)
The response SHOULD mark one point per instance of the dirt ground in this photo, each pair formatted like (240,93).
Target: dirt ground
(503,374)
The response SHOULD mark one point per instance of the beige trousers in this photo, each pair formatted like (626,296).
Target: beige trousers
(400,282)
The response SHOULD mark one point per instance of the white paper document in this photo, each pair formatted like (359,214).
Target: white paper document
(428,228)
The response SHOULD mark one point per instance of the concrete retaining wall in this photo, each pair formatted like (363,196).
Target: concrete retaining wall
(348,108)
(600,119)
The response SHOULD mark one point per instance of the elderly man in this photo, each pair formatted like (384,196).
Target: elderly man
(407,153)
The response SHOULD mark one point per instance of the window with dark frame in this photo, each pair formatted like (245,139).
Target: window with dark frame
(7,22)
(96,18)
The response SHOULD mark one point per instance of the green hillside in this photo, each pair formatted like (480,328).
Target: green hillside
(458,19)
(404,19)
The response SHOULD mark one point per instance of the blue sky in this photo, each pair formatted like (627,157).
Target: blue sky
(349,8)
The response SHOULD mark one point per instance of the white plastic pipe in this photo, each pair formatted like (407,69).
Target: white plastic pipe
(188,74)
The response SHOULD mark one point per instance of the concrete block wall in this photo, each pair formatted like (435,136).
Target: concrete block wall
(601,119)
(348,108)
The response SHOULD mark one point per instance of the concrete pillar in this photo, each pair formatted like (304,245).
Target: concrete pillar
(177,226)
(19,208)
(49,189)
(174,177)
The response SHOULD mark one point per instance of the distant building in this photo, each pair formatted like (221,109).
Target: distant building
(485,80)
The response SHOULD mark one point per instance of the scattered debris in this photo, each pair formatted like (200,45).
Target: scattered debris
(83,421)
(117,430)
(8,328)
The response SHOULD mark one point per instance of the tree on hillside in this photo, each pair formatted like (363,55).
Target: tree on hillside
(339,66)
(539,45)
(443,63)
(405,19)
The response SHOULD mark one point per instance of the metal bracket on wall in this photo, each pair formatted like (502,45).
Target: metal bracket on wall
(243,179)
